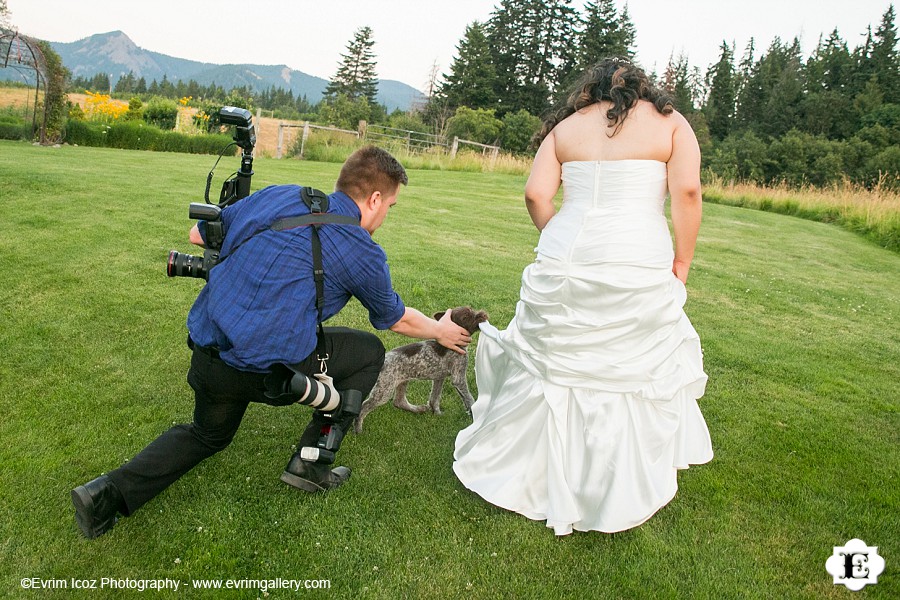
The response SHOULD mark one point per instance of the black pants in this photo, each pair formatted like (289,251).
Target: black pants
(221,396)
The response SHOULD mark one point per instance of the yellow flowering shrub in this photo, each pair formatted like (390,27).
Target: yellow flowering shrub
(100,107)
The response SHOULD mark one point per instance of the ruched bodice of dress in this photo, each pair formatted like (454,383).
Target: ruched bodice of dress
(617,210)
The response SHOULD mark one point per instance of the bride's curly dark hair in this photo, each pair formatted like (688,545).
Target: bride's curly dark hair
(617,80)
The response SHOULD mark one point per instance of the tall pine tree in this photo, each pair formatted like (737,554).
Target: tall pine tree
(601,33)
(786,94)
(627,33)
(530,41)
(719,108)
(825,108)
(830,66)
(355,77)
(769,100)
(884,55)
(604,34)
(472,77)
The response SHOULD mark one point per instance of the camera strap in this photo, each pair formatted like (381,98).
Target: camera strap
(317,202)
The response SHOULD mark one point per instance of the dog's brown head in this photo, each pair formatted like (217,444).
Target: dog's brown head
(465,317)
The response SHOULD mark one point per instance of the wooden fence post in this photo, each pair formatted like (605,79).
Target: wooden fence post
(280,139)
(303,139)
(454,147)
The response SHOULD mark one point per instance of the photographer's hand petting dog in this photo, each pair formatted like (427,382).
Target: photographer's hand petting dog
(426,360)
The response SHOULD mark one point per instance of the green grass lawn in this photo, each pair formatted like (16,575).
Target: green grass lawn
(800,323)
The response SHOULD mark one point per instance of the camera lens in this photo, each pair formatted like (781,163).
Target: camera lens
(184,265)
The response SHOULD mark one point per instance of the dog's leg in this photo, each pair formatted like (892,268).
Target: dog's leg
(378,396)
(461,385)
(400,400)
(434,401)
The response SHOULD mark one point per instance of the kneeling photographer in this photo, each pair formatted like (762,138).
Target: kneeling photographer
(256,334)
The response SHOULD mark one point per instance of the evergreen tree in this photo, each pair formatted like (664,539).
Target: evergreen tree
(303,104)
(100,83)
(826,108)
(507,46)
(720,104)
(472,77)
(355,77)
(602,35)
(166,88)
(783,107)
(627,34)
(194,90)
(870,99)
(830,66)
(677,82)
(530,41)
(863,69)
(126,84)
(550,24)
(769,101)
(745,68)
(884,54)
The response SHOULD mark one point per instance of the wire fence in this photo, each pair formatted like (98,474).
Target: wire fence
(412,141)
(307,127)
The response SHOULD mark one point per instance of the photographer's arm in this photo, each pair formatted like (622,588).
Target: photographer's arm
(196,238)
(447,333)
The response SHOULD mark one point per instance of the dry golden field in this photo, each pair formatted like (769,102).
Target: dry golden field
(16,97)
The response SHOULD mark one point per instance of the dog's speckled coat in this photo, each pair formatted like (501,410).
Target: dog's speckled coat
(424,360)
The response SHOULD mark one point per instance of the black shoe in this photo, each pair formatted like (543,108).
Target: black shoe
(313,477)
(96,504)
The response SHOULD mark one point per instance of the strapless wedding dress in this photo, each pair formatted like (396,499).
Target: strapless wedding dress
(587,402)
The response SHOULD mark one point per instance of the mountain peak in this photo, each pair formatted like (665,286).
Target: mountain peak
(117,49)
(115,39)
(116,33)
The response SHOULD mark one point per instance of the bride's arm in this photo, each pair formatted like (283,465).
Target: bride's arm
(684,188)
(543,183)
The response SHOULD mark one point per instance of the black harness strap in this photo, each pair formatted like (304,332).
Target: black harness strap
(313,219)
(317,202)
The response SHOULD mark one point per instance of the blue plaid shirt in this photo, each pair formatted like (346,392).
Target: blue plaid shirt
(258,307)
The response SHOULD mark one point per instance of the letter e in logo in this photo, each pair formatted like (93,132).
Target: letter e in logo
(855,565)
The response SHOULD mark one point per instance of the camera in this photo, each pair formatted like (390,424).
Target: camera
(234,188)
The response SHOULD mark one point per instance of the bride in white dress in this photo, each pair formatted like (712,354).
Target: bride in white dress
(587,402)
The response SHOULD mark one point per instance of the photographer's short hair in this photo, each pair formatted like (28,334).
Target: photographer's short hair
(368,170)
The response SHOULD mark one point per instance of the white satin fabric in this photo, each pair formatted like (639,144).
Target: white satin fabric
(587,402)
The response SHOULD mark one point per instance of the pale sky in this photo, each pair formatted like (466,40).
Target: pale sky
(412,35)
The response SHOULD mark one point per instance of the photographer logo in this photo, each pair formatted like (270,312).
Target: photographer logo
(855,565)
